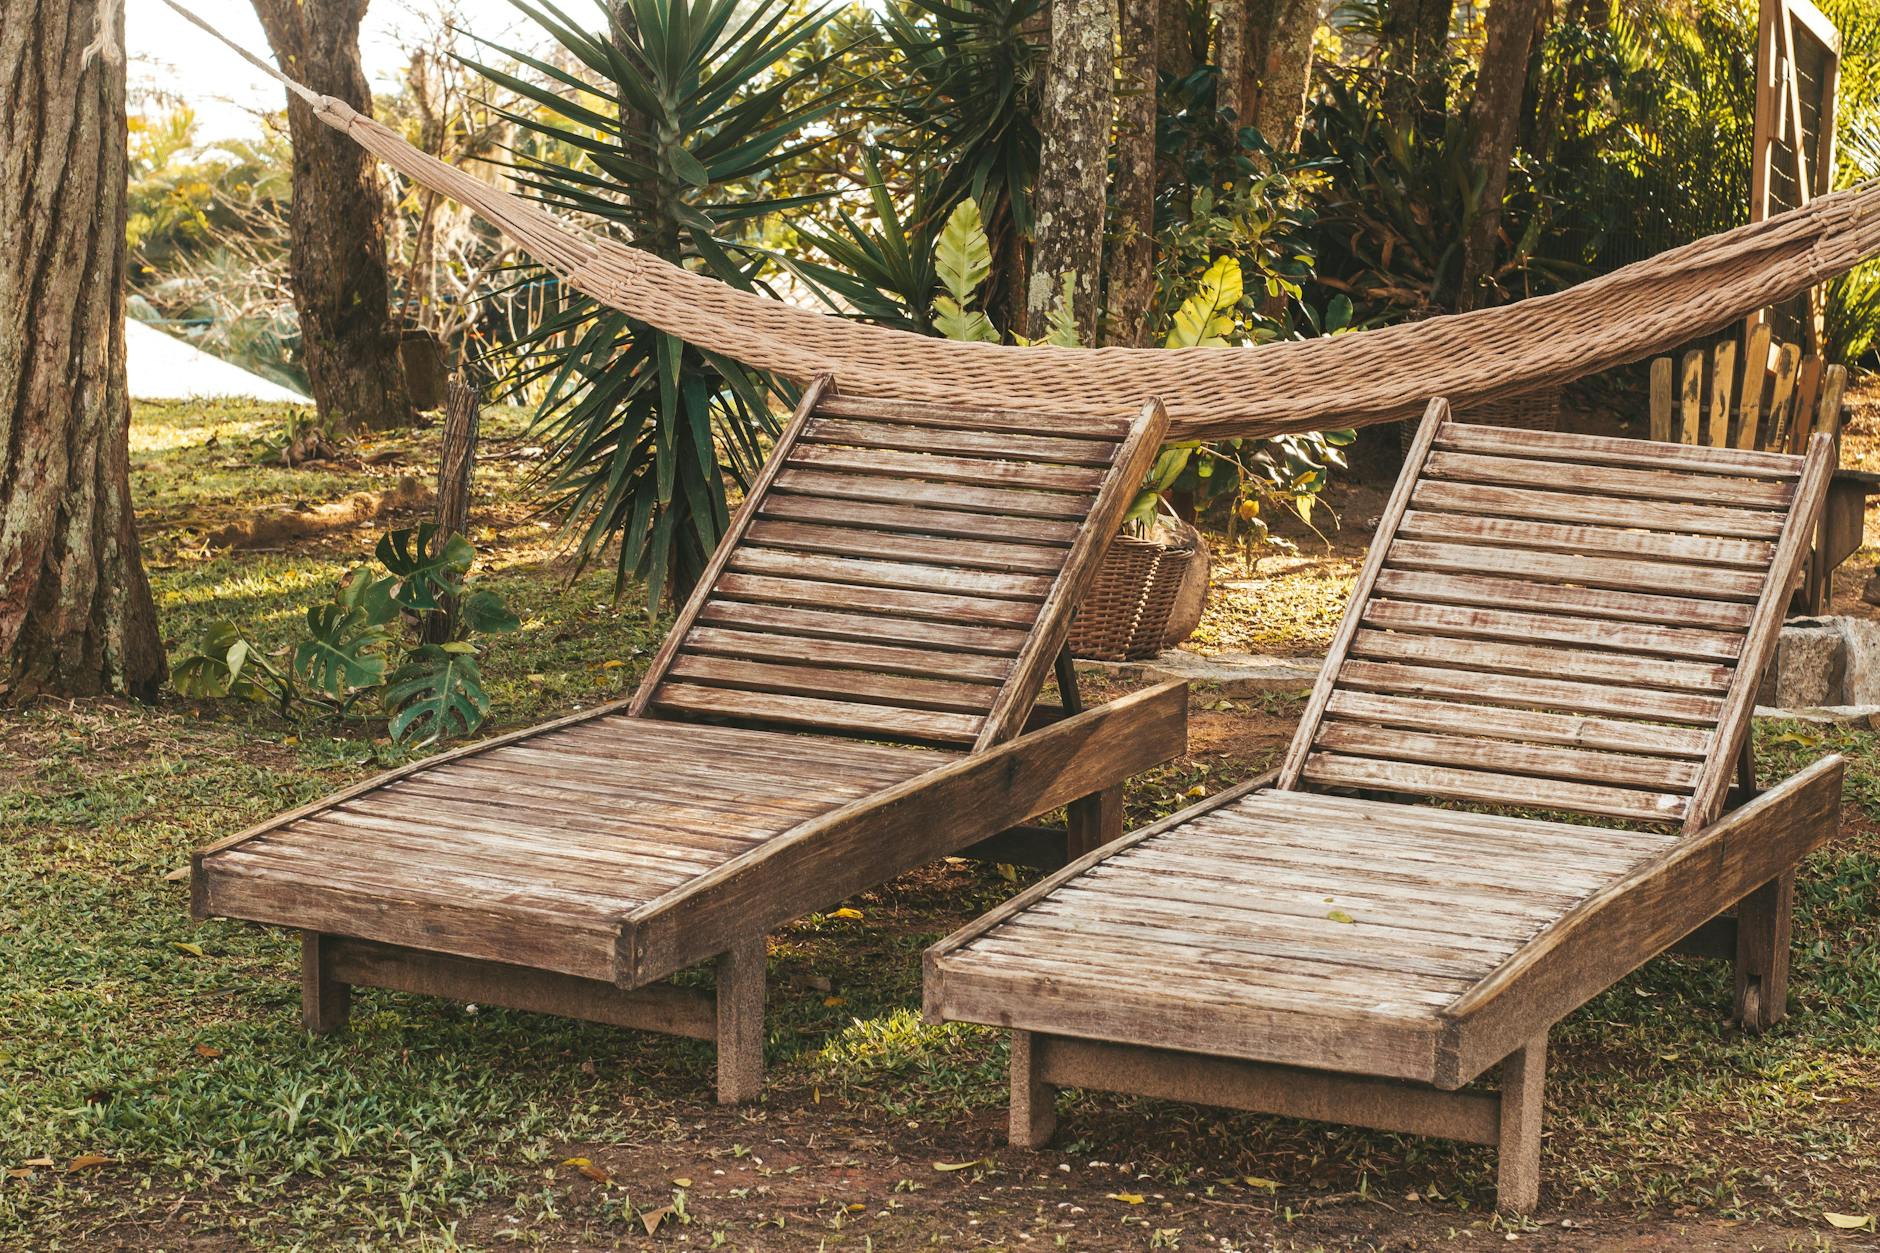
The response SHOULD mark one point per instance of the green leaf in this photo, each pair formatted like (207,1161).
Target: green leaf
(1206,317)
(341,654)
(424,570)
(485,611)
(962,256)
(687,167)
(435,695)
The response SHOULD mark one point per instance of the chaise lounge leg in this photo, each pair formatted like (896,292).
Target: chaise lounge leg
(1095,820)
(325,1002)
(1518,1164)
(741,1022)
(1034,1102)
(1762,953)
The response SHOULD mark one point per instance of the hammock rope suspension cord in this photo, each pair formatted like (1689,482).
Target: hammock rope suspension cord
(1353,379)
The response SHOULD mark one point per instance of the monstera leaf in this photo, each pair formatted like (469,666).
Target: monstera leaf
(423,570)
(341,653)
(485,612)
(223,664)
(436,694)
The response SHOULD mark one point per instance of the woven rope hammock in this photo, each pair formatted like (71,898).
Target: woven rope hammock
(1346,380)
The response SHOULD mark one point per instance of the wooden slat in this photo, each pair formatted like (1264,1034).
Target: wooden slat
(754,559)
(1015,502)
(858,686)
(936,469)
(1611,450)
(1722,375)
(940,606)
(863,626)
(1612,573)
(1755,380)
(1691,397)
(1469,589)
(781,710)
(883,658)
(904,437)
(1506,756)
(819,387)
(1435,417)
(1511,502)
(1105,426)
(853,540)
(1609,735)
(1621,484)
(1529,692)
(1495,659)
(914,520)
(1613,541)
(1515,626)
(1335,770)
(1661,399)
(1802,412)
(1781,392)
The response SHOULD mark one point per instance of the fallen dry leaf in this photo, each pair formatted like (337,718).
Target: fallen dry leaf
(37,1161)
(1127,1198)
(651,1219)
(952,1166)
(184,946)
(1848,1222)
(582,1164)
(845,912)
(208,1051)
(1254,1181)
(681,1182)
(86,1162)
(1339,915)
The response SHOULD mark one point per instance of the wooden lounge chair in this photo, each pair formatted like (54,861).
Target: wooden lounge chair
(1558,622)
(845,697)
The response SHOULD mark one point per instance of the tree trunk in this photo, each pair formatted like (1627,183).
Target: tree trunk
(1414,34)
(347,335)
(1279,69)
(1494,115)
(1231,29)
(1072,165)
(76,618)
(1131,287)
(1174,37)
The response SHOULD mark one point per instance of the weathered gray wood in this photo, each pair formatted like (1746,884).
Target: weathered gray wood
(1762,953)
(1600,734)
(1435,418)
(1559,506)
(885,463)
(916,520)
(1475,622)
(740,1021)
(1520,594)
(1661,425)
(325,998)
(1094,821)
(1016,421)
(927,438)
(1614,451)
(655,674)
(1518,1157)
(1527,533)
(932,815)
(1034,1102)
(1760,644)
(853,540)
(961,497)
(1288,1091)
(1639,916)
(659,1007)
(1613,482)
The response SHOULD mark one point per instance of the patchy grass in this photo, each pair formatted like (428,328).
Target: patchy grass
(173,1051)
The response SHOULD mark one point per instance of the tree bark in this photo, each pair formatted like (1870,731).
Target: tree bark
(1231,29)
(1494,116)
(348,338)
(76,618)
(1279,68)
(1073,165)
(1174,37)
(1131,286)
(1414,34)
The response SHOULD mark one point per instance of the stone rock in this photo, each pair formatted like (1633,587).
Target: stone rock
(1810,666)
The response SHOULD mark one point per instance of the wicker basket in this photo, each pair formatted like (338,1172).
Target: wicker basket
(1125,615)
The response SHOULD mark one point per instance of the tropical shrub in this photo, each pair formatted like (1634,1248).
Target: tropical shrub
(656,128)
(400,638)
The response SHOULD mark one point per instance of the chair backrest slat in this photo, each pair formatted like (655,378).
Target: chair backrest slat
(902,572)
(1562,621)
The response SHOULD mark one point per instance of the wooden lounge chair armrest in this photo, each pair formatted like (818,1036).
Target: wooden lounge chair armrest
(1631,921)
(929,816)
(1868,479)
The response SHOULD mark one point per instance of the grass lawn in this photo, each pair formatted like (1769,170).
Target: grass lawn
(156,1090)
